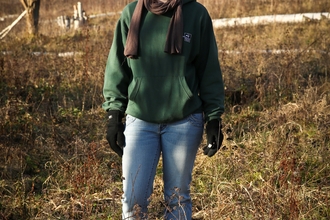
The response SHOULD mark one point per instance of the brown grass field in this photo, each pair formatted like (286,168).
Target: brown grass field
(275,160)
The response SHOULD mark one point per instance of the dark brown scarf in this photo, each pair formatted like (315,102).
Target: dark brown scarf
(175,30)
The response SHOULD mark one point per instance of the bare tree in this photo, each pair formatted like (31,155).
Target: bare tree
(32,19)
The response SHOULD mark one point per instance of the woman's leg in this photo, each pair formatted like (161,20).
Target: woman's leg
(139,163)
(180,142)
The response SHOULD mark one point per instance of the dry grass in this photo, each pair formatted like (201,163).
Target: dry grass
(274,164)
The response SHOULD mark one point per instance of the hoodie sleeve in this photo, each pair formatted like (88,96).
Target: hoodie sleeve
(117,72)
(209,72)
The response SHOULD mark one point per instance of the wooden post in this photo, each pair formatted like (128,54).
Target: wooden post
(75,12)
(63,22)
(78,15)
(75,17)
(79,7)
(32,19)
(60,21)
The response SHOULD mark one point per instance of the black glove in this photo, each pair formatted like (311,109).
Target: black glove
(115,132)
(214,137)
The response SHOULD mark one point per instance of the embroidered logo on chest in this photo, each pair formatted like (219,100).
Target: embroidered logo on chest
(187,37)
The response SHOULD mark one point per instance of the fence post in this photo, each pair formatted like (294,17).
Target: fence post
(80,17)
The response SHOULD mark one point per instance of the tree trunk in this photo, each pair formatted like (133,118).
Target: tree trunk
(32,16)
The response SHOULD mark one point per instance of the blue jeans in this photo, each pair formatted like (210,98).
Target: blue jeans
(178,143)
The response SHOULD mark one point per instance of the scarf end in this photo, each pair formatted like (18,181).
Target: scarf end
(134,57)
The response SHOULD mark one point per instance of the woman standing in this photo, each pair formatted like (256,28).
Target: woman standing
(163,73)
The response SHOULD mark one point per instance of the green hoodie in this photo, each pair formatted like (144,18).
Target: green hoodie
(159,87)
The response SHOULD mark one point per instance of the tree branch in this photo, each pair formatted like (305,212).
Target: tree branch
(24,3)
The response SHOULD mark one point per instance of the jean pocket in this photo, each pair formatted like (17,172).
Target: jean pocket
(129,120)
(196,119)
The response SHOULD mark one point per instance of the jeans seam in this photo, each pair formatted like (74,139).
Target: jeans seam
(149,182)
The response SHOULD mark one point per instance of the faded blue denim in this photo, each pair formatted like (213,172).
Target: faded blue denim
(178,143)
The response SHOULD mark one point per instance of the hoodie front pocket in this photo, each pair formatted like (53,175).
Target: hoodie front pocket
(161,99)
(133,88)
(185,87)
